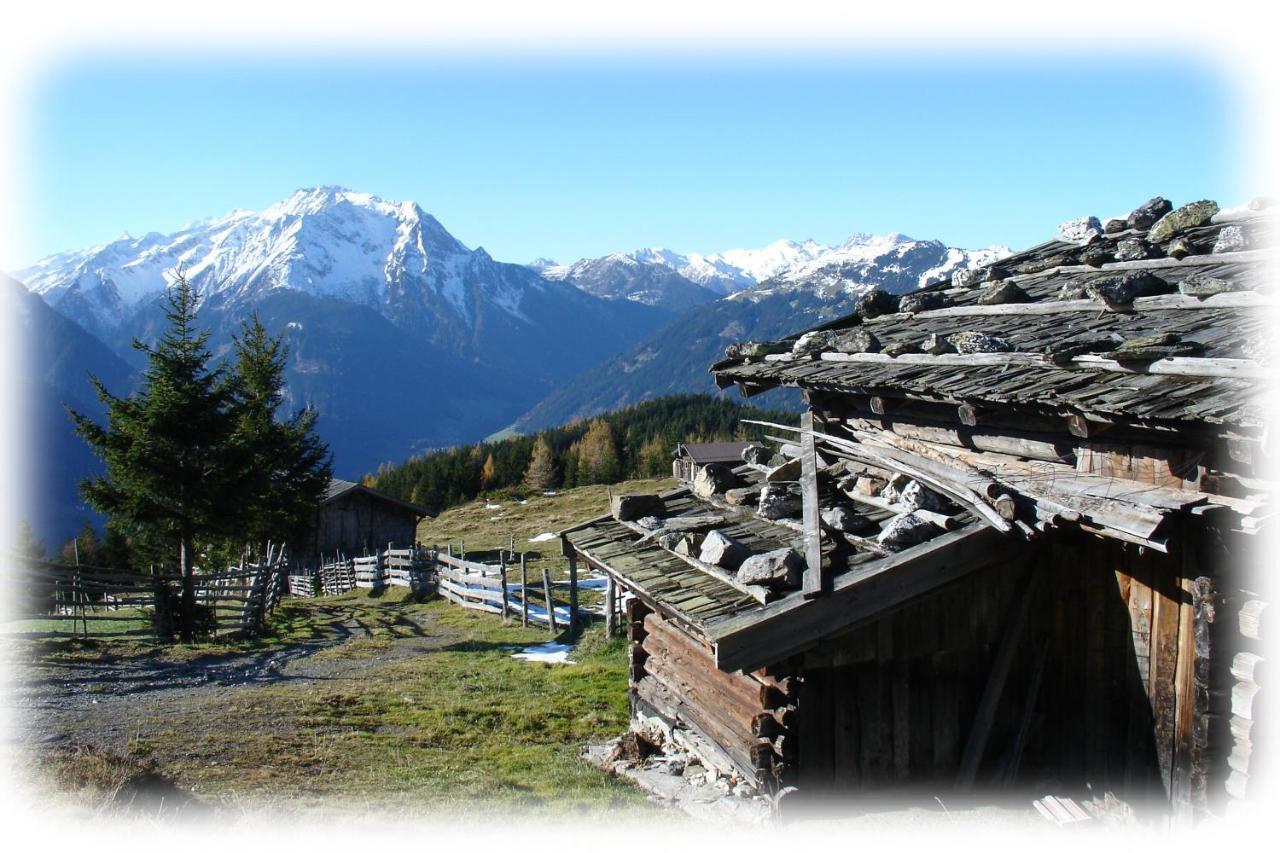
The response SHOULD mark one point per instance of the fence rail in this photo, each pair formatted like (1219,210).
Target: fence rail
(83,600)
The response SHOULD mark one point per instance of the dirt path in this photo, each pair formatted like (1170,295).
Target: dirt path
(49,700)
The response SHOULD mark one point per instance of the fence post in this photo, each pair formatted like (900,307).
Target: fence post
(573,592)
(524,593)
(551,604)
(610,596)
(502,570)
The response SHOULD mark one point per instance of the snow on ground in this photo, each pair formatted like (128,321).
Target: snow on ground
(493,506)
(543,537)
(546,653)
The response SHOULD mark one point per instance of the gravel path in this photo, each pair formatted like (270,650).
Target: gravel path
(50,700)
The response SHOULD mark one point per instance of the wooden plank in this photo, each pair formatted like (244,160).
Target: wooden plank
(1010,642)
(814,583)
(793,624)
(1165,623)
(550,602)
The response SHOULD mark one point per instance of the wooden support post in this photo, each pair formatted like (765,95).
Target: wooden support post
(985,716)
(879,405)
(502,570)
(610,592)
(968,414)
(813,581)
(550,602)
(524,593)
(1010,772)
(573,592)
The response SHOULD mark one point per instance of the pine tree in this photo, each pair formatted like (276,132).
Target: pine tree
(540,475)
(285,467)
(171,475)
(27,545)
(83,549)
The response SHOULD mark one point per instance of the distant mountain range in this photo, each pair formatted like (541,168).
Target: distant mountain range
(404,338)
(407,340)
(824,283)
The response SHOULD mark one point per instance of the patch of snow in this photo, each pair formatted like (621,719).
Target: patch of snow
(543,537)
(546,653)
(493,506)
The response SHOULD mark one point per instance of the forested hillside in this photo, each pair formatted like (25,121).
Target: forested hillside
(633,442)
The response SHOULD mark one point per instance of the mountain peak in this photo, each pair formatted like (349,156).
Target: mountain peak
(326,241)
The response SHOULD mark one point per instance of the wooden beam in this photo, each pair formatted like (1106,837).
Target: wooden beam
(1010,642)
(1228,368)
(795,623)
(1171,302)
(814,583)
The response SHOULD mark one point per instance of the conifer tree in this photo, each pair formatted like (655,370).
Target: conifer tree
(27,545)
(285,467)
(171,475)
(540,474)
(597,456)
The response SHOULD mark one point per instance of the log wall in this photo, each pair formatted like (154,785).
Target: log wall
(744,719)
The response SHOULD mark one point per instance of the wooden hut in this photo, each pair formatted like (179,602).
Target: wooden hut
(690,457)
(1008,545)
(354,519)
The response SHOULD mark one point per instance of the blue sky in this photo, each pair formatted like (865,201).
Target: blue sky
(582,157)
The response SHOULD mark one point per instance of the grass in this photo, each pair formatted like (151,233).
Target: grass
(460,726)
(485,529)
(133,619)
(425,709)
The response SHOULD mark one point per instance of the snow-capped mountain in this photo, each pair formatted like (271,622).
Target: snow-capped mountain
(379,304)
(326,242)
(622,276)
(891,260)
(820,283)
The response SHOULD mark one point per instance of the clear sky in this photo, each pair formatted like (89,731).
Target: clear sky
(587,156)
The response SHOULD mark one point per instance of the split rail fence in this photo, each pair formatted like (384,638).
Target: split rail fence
(408,567)
(83,600)
(494,589)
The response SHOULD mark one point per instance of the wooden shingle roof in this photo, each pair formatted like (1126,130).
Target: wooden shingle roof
(1210,367)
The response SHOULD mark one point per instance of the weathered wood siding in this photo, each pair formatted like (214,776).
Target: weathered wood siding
(359,523)
(1118,649)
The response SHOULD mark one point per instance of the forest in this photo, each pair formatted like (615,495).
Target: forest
(636,441)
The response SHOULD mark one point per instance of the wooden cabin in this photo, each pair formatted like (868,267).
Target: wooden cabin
(1011,544)
(354,520)
(690,457)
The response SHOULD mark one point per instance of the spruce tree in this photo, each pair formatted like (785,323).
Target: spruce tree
(285,467)
(170,467)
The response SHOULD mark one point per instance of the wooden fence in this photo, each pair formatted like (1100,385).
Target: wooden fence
(337,577)
(490,588)
(85,600)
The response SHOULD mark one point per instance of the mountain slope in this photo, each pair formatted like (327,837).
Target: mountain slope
(57,358)
(676,357)
(622,276)
(403,337)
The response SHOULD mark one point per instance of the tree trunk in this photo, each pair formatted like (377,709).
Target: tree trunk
(185,549)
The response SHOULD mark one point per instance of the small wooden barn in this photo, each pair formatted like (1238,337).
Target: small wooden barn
(689,457)
(354,519)
(1011,543)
